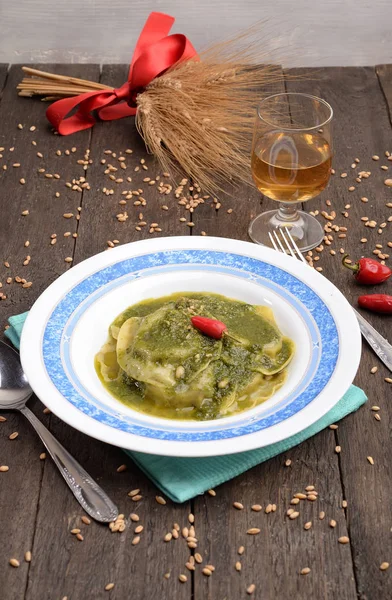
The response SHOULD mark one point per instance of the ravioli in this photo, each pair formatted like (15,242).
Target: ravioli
(156,362)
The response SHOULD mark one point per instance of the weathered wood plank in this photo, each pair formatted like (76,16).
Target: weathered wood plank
(3,77)
(361,129)
(77,569)
(100,210)
(20,487)
(273,559)
(82,569)
(243,204)
(19,493)
(37,195)
(266,562)
(384,74)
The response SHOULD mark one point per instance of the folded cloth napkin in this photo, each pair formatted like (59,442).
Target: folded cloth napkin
(183,478)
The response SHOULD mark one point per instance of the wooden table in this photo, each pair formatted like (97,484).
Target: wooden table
(37,511)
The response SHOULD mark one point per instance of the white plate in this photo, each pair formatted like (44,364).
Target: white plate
(69,322)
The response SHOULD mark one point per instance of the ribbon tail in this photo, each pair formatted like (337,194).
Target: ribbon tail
(82,118)
(57,112)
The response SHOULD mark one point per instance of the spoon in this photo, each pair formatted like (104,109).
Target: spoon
(14,393)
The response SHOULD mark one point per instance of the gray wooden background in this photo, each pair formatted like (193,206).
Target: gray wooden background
(293,32)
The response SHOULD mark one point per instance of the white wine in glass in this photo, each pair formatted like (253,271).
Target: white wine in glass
(291,163)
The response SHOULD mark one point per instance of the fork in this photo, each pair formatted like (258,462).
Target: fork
(379,345)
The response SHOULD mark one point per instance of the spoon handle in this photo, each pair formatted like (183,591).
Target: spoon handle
(88,493)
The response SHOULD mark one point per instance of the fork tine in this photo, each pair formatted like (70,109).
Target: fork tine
(277,239)
(298,251)
(273,241)
(287,243)
(291,247)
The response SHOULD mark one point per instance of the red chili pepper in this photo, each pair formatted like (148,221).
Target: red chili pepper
(368,270)
(211,327)
(380,303)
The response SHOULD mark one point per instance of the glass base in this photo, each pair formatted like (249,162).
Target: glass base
(306,230)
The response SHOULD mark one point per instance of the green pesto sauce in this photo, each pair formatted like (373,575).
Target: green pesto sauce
(220,377)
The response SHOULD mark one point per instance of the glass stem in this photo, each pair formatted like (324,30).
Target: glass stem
(288,211)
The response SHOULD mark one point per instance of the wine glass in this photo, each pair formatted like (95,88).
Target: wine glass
(291,163)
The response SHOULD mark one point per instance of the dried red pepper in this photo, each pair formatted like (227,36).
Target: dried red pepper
(380,303)
(368,270)
(211,327)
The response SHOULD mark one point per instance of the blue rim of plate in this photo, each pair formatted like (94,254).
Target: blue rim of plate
(309,306)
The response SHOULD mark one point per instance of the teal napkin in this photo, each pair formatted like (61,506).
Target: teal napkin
(183,478)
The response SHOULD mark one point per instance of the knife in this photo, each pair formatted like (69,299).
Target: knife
(379,345)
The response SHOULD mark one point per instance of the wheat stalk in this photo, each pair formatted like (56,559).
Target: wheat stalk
(198,117)
(42,83)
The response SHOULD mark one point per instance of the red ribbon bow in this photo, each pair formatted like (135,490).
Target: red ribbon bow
(155,52)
